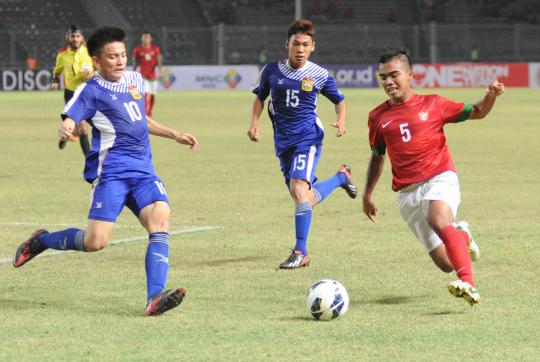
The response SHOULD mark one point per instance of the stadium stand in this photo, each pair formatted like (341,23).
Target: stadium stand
(188,31)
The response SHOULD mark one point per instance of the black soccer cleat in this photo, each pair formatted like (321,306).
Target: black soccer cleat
(164,301)
(62,144)
(295,260)
(29,249)
(350,188)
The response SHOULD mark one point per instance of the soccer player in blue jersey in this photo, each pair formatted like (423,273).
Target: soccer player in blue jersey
(293,85)
(119,166)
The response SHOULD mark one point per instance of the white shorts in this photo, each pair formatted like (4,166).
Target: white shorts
(413,205)
(150,86)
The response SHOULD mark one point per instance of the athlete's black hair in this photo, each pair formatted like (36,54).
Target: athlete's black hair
(401,54)
(103,36)
(302,26)
(72,29)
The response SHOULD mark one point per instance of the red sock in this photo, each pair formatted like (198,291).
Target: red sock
(147,106)
(152,97)
(456,244)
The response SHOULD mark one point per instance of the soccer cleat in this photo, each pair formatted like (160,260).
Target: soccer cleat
(295,260)
(29,249)
(348,186)
(165,301)
(461,289)
(474,250)
(62,144)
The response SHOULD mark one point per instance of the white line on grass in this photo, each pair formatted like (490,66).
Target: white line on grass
(63,225)
(187,230)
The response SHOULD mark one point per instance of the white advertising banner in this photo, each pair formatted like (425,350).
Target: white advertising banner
(534,75)
(195,77)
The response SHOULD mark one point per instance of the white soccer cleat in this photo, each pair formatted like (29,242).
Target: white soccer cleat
(461,289)
(474,250)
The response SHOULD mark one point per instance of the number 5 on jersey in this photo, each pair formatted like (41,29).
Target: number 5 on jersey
(405,132)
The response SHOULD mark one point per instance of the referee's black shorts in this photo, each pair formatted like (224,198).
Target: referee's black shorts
(68,95)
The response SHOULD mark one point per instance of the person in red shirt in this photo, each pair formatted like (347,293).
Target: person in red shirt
(409,127)
(148,57)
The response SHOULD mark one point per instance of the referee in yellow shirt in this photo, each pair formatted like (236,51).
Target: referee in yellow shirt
(75,63)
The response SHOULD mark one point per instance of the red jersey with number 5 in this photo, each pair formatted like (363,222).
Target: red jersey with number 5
(147,58)
(412,133)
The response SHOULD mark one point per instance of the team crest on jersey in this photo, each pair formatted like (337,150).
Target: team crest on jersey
(307,84)
(423,116)
(134,92)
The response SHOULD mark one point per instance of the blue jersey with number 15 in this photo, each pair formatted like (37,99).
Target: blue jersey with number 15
(116,112)
(293,104)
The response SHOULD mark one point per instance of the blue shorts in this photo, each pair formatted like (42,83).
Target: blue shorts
(109,197)
(300,163)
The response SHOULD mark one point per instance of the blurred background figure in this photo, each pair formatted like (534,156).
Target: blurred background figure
(75,64)
(148,57)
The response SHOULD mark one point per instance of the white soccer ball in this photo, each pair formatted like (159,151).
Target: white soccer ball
(327,299)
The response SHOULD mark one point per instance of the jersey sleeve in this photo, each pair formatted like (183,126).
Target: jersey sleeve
(330,91)
(262,89)
(376,141)
(82,106)
(59,65)
(453,112)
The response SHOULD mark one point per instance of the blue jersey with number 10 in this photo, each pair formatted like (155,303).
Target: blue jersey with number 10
(116,112)
(293,104)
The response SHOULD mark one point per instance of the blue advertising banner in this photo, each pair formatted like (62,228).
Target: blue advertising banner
(354,76)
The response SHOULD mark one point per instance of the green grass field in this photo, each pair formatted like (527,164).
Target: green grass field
(79,306)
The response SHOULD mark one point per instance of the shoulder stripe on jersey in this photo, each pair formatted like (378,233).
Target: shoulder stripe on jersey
(311,70)
(128,79)
(78,91)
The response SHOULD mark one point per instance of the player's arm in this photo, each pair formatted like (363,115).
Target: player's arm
(341,111)
(256,111)
(484,106)
(374,171)
(156,129)
(57,71)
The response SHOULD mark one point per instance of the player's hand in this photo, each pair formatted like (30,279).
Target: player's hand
(369,207)
(253,133)
(55,85)
(186,139)
(340,128)
(496,88)
(66,128)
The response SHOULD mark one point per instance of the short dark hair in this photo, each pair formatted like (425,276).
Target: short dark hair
(146,32)
(302,26)
(401,53)
(103,36)
(72,29)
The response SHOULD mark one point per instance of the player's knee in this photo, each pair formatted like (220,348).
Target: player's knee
(95,242)
(299,190)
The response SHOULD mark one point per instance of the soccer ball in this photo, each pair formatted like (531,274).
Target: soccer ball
(327,299)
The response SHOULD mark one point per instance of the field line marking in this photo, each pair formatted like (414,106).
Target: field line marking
(22,223)
(187,230)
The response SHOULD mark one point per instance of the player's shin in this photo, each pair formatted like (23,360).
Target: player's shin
(302,219)
(323,189)
(456,248)
(157,263)
(69,239)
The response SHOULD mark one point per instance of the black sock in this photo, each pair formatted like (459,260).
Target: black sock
(85,146)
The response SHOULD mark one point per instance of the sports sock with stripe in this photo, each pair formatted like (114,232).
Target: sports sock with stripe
(302,221)
(69,239)
(323,189)
(456,245)
(157,263)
